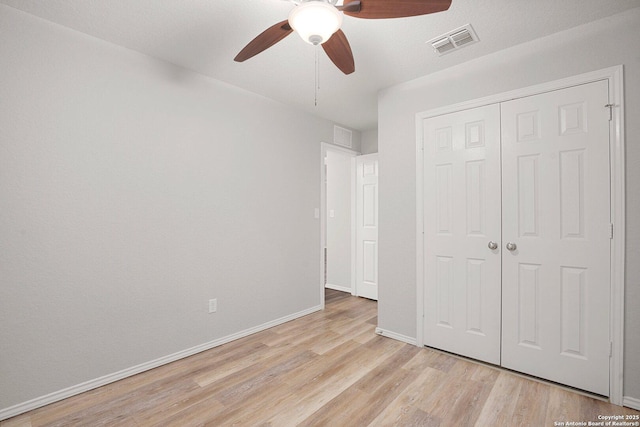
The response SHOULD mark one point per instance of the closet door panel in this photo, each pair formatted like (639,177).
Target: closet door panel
(462,215)
(556,216)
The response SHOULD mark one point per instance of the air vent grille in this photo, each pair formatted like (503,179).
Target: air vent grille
(454,39)
(342,136)
(462,37)
(443,45)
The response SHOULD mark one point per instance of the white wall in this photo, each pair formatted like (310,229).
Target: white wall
(339,226)
(608,42)
(370,141)
(356,141)
(131,192)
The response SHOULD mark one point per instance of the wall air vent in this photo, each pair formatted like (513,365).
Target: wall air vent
(342,136)
(454,39)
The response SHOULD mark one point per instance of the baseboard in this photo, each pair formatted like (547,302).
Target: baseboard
(338,288)
(396,336)
(56,396)
(631,402)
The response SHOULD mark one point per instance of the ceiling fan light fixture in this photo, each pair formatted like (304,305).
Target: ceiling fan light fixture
(315,21)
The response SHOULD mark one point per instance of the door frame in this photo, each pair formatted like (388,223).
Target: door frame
(324,147)
(614,77)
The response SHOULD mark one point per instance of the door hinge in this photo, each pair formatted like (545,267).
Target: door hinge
(610,107)
(611,231)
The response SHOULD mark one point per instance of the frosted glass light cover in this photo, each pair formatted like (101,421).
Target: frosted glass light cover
(315,21)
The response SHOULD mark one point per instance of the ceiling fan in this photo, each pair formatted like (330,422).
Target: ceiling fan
(319,21)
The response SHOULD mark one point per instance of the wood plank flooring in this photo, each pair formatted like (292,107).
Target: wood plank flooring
(325,369)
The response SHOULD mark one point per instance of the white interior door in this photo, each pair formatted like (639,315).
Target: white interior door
(556,214)
(367,226)
(462,223)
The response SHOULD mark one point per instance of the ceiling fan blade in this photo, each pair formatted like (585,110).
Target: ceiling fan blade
(380,9)
(352,6)
(338,50)
(264,40)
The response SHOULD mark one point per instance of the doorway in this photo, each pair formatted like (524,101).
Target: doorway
(349,222)
(339,216)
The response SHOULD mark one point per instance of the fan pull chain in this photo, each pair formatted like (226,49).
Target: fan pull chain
(317,72)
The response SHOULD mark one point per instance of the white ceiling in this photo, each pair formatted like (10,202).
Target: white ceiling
(205,35)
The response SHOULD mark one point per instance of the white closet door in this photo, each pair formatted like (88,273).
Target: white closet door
(462,219)
(555,164)
(367,226)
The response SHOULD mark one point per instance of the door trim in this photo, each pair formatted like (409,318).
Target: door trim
(614,76)
(324,147)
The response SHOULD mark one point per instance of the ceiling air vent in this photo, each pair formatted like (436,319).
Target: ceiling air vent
(454,39)
(342,136)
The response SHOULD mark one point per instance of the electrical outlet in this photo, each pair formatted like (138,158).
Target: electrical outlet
(213,305)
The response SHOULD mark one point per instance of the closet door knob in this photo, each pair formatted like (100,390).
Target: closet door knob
(511,246)
(493,246)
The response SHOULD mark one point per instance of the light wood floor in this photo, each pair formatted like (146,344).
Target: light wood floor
(326,369)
